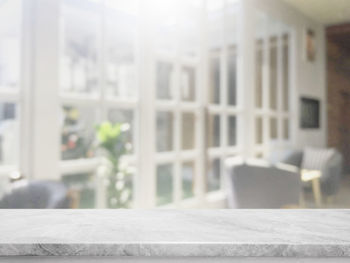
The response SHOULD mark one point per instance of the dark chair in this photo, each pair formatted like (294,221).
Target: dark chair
(256,184)
(36,195)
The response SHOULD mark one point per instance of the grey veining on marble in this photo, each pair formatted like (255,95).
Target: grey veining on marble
(171,233)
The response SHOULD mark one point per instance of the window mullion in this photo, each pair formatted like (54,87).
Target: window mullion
(43,40)
(145,190)
(280,87)
(266,90)
(224,97)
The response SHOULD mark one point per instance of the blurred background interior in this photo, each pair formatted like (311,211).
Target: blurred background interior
(174,104)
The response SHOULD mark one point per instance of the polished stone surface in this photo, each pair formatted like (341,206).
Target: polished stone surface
(169,233)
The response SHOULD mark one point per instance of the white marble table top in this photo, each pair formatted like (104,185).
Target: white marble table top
(168,233)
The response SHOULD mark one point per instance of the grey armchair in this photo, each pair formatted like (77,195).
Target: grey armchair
(36,194)
(331,170)
(257,185)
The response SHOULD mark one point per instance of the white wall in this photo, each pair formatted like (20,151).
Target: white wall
(310,78)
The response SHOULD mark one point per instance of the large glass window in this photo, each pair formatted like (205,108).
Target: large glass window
(98,79)
(11,118)
(271,85)
(177,97)
(223,111)
(79,69)
(120,49)
(177,74)
(10,68)
(10,39)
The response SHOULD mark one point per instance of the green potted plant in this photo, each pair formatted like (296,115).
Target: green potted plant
(112,140)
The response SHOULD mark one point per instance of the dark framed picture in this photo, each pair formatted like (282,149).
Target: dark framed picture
(309,113)
(309,45)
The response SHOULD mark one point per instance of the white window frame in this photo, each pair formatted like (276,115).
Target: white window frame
(102,103)
(264,149)
(44,131)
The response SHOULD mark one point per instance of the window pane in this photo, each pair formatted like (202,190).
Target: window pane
(232,78)
(79,69)
(215,17)
(188,83)
(189,30)
(164,129)
(126,8)
(259,75)
(273,73)
(231,35)
(125,117)
(215,6)
(78,132)
(232,9)
(9,132)
(214,79)
(232,130)
(259,130)
(188,130)
(286,129)
(10,44)
(84,183)
(120,40)
(214,129)
(259,155)
(215,12)
(165,80)
(285,72)
(214,175)
(166,23)
(273,128)
(188,173)
(164,184)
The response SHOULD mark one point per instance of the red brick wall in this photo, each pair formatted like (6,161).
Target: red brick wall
(338,88)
